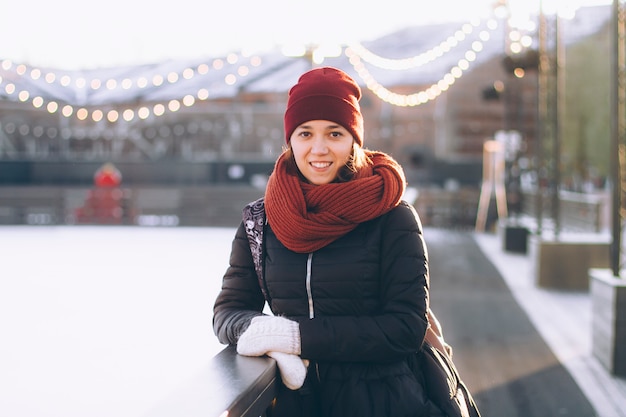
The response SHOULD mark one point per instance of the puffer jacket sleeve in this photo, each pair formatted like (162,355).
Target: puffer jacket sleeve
(240,298)
(398,329)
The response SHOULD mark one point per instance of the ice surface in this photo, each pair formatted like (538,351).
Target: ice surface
(104,321)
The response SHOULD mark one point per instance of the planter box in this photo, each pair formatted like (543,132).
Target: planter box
(608,301)
(564,263)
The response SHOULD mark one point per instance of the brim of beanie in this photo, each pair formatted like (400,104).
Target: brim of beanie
(324,107)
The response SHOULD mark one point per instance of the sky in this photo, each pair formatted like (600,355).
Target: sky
(79,34)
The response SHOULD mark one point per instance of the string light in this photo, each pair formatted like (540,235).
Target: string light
(357,54)
(424,96)
(418,60)
(112,84)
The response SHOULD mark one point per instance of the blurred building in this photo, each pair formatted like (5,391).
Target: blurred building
(432,96)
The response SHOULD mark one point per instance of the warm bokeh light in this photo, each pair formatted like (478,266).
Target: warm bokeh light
(143,113)
(97,115)
(189,100)
(173,105)
(128,115)
(188,73)
(203,69)
(52,107)
(157,80)
(232,58)
(230,79)
(172,77)
(113,116)
(37,102)
(203,94)
(159,110)
(82,113)
(243,71)
(67,110)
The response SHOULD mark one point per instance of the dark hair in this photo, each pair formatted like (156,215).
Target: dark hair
(357,161)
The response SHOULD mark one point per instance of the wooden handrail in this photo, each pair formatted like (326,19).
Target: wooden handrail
(230,386)
(579,212)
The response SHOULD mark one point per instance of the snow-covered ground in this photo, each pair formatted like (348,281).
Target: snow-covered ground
(104,321)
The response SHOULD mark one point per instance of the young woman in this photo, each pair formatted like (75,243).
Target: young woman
(345,268)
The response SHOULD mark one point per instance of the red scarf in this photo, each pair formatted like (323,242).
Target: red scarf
(307,217)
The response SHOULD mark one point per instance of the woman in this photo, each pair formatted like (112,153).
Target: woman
(345,268)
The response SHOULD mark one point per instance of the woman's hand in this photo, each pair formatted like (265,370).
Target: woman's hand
(292,369)
(270,334)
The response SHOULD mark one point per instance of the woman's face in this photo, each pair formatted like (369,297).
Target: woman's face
(321,148)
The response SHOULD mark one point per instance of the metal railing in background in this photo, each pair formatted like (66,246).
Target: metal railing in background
(587,213)
(221,206)
(216,205)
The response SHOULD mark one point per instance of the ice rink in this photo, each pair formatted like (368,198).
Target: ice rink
(105,321)
(116,322)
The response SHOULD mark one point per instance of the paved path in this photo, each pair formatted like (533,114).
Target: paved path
(564,320)
(500,354)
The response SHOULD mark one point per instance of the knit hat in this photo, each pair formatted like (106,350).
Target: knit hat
(325,94)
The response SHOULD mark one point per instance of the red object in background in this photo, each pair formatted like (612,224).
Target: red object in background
(103,204)
(107,176)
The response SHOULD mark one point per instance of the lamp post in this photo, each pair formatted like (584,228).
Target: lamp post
(618,95)
(550,88)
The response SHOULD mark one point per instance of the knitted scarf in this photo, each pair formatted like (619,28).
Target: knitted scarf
(307,217)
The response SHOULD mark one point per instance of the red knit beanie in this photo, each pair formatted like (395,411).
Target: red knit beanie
(325,94)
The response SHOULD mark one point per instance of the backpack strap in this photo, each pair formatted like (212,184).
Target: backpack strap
(254,223)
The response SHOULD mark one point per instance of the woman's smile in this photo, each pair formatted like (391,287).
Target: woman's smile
(321,165)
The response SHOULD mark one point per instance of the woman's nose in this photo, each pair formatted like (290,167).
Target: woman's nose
(319,145)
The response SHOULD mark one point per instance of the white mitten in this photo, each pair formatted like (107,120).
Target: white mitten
(292,369)
(270,334)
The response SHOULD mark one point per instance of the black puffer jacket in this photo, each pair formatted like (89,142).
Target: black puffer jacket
(361,303)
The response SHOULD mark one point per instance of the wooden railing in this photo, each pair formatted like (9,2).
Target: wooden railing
(578,212)
(230,386)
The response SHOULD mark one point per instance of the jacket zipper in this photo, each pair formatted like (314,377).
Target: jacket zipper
(309,293)
(308,285)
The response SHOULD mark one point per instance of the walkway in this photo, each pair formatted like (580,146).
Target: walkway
(524,351)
